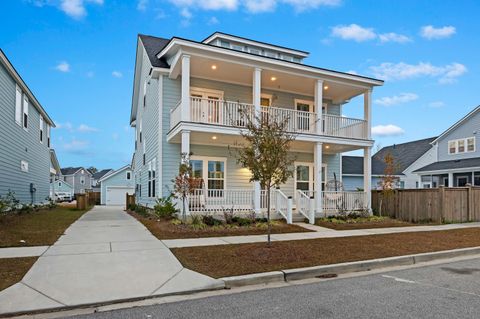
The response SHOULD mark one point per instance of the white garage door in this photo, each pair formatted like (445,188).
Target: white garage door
(116,196)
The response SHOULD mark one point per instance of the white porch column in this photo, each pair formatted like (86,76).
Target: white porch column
(367,175)
(319,106)
(185,148)
(185,114)
(367,112)
(450,179)
(317,176)
(256,94)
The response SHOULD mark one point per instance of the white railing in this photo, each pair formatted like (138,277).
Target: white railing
(219,112)
(220,200)
(298,121)
(175,114)
(283,205)
(344,201)
(340,126)
(306,205)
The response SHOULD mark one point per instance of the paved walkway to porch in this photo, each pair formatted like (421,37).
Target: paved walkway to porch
(320,232)
(104,256)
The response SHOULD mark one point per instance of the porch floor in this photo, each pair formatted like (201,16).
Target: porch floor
(319,232)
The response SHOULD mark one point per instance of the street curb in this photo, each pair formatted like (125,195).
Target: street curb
(343,268)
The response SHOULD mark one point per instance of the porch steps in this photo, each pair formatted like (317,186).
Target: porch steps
(297,217)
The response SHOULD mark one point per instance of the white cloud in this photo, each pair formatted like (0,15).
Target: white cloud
(302,5)
(352,72)
(142,5)
(67,126)
(430,32)
(213,21)
(117,74)
(83,128)
(353,32)
(76,8)
(436,104)
(396,99)
(115,136)
(394,37)
(207,4)
(63,67)
(257,6)
(401,71)
(75,145)
(387,130)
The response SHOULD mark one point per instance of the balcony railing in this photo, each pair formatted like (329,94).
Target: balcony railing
(228,113)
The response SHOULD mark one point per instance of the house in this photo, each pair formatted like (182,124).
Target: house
(79,178)
(407,157)
(188,97)
(60,186)
(456,155)
(115,185)
(25,139)
(97,176)
(55,171)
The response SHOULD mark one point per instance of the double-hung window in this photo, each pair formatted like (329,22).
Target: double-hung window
(41,129)
(151,178)
(471,144)
(48,135)
(212,172)
(462,145)
(18,105)
(25,111)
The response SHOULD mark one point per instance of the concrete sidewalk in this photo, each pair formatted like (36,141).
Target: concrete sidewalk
(319,232)
(104,256)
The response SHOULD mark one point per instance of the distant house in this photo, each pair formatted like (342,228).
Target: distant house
(24,139)
(60,186)
(97,176)
(115,185)
(55,171)
(79,177)
(455,155)
(407,158)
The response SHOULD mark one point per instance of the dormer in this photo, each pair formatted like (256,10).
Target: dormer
(255,47)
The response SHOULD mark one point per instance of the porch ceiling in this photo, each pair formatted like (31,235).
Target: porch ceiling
(279,79)
(228,140)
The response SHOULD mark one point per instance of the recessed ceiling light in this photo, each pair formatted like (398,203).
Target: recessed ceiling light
(325,87)
(273,78)
(214,137)
(327,146)
(214,67)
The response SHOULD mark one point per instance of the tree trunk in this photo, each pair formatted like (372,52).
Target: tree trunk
(184,213)
(269,228)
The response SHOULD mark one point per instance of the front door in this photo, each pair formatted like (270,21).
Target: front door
(304,116)
(305,177)
(206,105)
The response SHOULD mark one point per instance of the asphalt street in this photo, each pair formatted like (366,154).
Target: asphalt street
(450,290)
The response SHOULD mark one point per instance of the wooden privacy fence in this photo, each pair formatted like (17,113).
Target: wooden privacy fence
(129,200)
(443,204)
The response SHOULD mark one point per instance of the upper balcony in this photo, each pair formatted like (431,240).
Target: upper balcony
(230,114)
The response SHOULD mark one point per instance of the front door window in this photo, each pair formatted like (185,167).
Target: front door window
(304,109)
(206,105)
(303,178)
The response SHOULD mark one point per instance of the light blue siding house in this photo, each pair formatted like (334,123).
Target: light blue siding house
(188,96)
(456,155)
(25,139)
(115,185)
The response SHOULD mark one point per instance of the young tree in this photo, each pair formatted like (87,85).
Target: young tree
(183,183)
(388,181)
(266,153)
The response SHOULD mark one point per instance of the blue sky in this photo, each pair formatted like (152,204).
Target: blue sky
(78,56)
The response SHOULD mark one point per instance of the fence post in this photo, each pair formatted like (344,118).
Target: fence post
(311,213)
(469,202)
(441,190)
(289,209)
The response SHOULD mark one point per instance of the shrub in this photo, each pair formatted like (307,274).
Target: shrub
(242,221)
(141,210)
(25,209)
(8,203)
(51,203)
(165,208)
(228,214)
(132,207)
(196,222)
(209,220)
(176,222)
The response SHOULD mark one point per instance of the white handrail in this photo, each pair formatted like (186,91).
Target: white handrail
(283,205)
(219,200)
(341,126)
(344,201)
(175,114)
(298,121)
(219,112)
(306,206)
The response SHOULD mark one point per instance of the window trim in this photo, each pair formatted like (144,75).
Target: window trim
(25,108)
(18,105)
(465,141)
(205,160)
(311,173)
(126,175)
(41,124)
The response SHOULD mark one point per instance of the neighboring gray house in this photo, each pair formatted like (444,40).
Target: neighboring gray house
(407,158)
(455,154)
(188,97)
(97,176)
(79,178)
(55,171)
(24,139)
(115,185)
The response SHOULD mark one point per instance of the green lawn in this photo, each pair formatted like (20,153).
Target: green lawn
(37,228)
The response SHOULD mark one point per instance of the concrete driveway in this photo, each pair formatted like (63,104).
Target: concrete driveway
(104,256)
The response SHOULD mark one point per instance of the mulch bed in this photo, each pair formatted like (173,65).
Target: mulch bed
(232,260)
(164,229)
(36,228)
(365,225)
(12,270)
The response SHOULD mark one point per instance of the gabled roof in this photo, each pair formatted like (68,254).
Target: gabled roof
(458,123)
(113,173)
(101,173)
(18,79)
(404,154)
(73,170)
(473,162)
(353,165)
(152,46)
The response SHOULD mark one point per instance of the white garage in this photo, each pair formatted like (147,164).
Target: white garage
(117,195)
(115,185)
